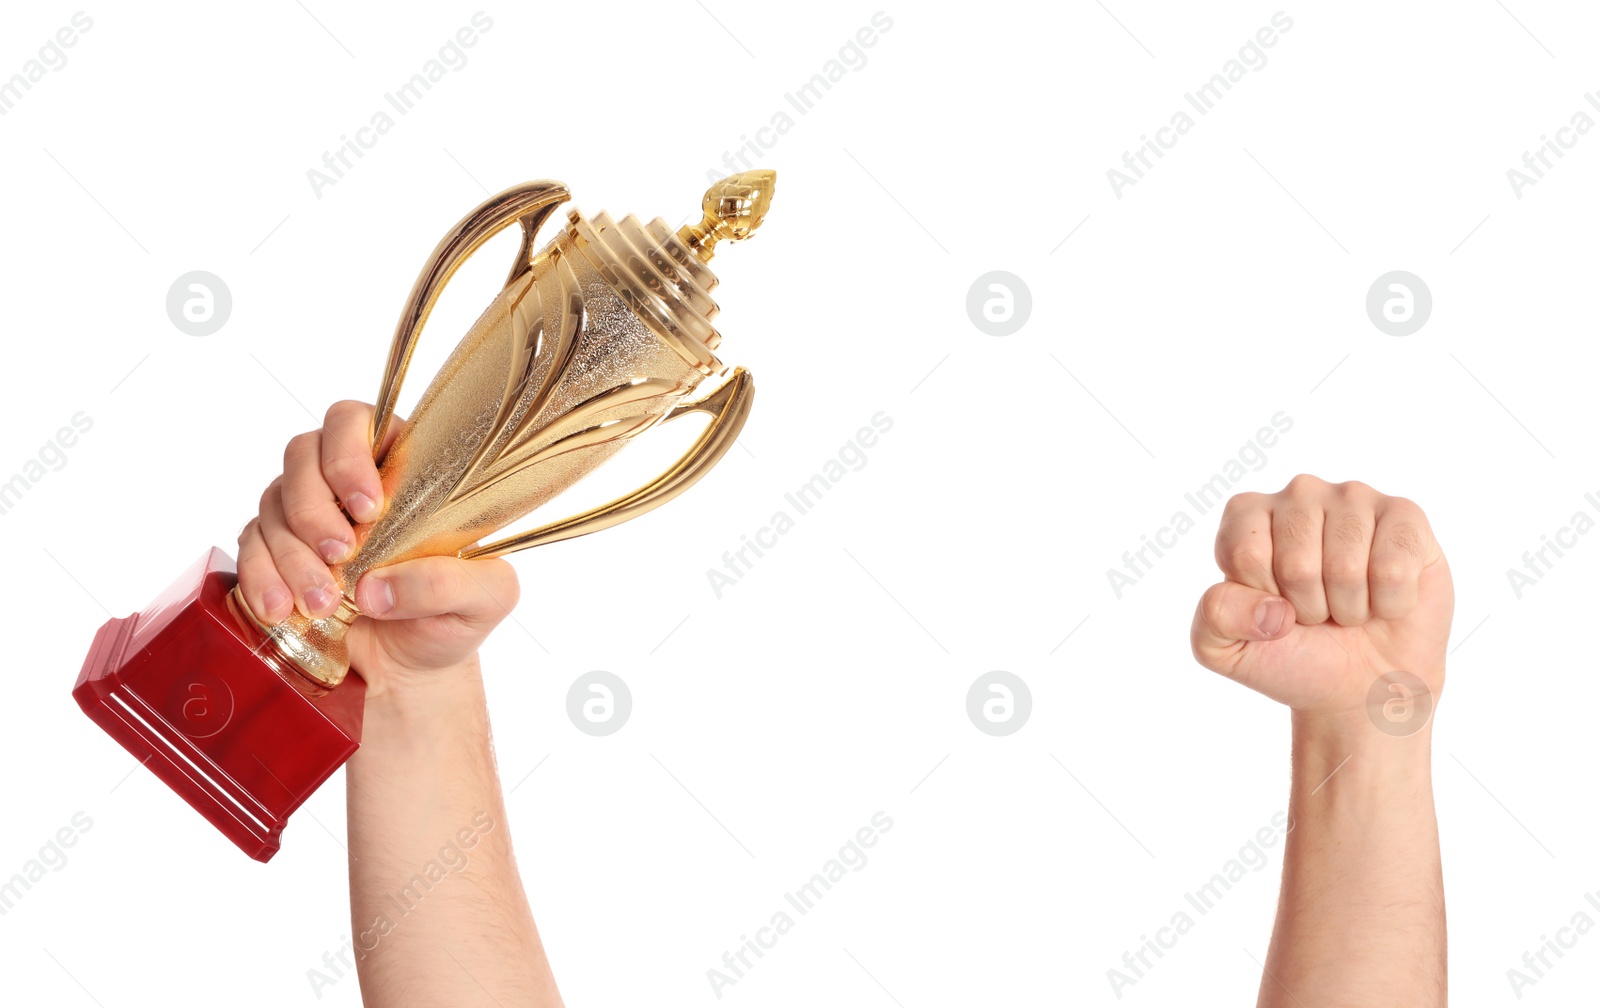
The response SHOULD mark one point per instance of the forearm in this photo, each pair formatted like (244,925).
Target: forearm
(1362,884)
(437,908)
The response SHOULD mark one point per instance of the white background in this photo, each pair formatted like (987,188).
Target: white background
(830,683)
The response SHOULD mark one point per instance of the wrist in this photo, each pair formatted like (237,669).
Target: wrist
(400,685)
(1359,731)
(418,703)
(1339,757)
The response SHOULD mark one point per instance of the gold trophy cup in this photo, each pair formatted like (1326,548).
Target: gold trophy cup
(599,336)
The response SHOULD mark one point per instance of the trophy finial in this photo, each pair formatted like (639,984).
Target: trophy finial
(734,208)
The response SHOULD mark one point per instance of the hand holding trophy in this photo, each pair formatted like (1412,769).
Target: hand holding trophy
(597,337)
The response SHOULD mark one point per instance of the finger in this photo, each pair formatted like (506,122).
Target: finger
(347,464)
(309,505)
(1402,546)
(1346,545)
(264,591)
(1244,542)
(307,576)
(1231,615)
(480,592)
(1297,523)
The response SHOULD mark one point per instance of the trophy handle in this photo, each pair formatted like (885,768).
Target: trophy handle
(529,203)
(728,406)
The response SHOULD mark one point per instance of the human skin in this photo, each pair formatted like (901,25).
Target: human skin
(438,912)
(1327,588)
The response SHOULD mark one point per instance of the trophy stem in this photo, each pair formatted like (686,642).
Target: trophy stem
(315,648)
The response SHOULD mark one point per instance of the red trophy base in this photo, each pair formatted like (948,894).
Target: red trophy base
(199,697)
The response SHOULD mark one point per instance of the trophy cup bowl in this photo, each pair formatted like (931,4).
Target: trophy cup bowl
(601,335)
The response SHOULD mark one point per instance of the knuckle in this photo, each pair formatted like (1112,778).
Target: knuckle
(1403,505)
(1243,502)
(300,567)
(1242,558)
(269,496)
(258,576)
(1345,569)
(1299,570)
(295,561)
(507,589)
(304,516)
(345,469)
(1389,573)
(1304,484)
(345,410)
(1212,606)
(299,447)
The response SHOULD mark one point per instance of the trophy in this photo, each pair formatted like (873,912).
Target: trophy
(601,335)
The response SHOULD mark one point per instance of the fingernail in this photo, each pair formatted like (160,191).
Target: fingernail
(333,550)
(318,599)
(1269,616)
(380,596)
(361,507)
(274,602)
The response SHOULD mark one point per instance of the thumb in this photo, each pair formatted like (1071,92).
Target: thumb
(1230,616)
(480,592)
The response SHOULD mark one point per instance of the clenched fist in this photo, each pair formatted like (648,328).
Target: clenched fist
(1327,587)
(418,616)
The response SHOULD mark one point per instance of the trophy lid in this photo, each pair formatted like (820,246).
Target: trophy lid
(661,275)
(734,208)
